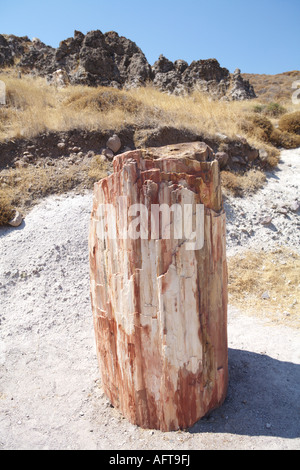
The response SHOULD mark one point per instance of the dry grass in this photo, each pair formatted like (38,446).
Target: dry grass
(290,123)
(273,88)
(276,273)
(6,209)
(21,188)
(33,107)
(260,128)
(241,185)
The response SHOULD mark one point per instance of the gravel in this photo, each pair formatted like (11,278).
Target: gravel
(270,217)
(50,390)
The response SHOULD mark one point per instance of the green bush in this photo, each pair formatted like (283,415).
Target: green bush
(259,108)
(274,110)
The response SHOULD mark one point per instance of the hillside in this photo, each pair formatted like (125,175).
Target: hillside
(63,104)
(273,88)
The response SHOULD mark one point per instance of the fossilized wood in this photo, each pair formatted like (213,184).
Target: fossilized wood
(160,311)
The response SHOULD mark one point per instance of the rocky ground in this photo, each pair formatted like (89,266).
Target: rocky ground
(271,216)
(50,391)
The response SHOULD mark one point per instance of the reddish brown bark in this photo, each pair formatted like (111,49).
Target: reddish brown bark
(160,310)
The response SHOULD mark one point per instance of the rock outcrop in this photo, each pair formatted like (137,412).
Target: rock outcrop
(204,75)
(241,89)
(112,60)
(92,59)
(160,302)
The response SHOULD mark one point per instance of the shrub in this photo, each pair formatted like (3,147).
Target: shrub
(258,108)
(285,139)
(239,185)
(290,123)
(101,99)
(274,110)
(258,126)
(6,210)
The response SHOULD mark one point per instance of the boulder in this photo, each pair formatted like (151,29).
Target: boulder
(114,143)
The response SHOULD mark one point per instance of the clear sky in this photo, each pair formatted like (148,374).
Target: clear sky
(257,36)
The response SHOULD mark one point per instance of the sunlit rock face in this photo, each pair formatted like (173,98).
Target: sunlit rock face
(159,285)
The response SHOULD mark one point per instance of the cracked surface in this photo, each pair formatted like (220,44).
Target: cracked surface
(159,308)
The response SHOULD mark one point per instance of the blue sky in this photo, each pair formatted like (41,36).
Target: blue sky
(257,36)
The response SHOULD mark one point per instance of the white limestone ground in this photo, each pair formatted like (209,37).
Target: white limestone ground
(50,392)
(279,201)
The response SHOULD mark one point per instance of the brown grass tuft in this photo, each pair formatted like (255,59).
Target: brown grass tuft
(258,127)
(240,185)
(275,274)
(290,123)
(6,209)
(21,188)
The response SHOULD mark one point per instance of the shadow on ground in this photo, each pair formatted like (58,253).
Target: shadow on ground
(5,230)
(263,398)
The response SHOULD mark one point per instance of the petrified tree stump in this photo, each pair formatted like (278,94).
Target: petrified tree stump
(159,301)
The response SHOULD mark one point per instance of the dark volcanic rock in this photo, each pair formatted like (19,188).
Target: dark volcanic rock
(112,60)
(103,59)
(12,47)
(204,75)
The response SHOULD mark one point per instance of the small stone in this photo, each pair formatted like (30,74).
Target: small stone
(265,295)
(266,220)
(108,153)
(263,155)
(282,210)
(268,425)
(61,145)
(294,206)
(114,143)
(222,158)
(16,220)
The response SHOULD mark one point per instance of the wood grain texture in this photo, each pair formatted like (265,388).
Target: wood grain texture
(159,309)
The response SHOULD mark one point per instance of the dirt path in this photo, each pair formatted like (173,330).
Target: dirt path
(50,392)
